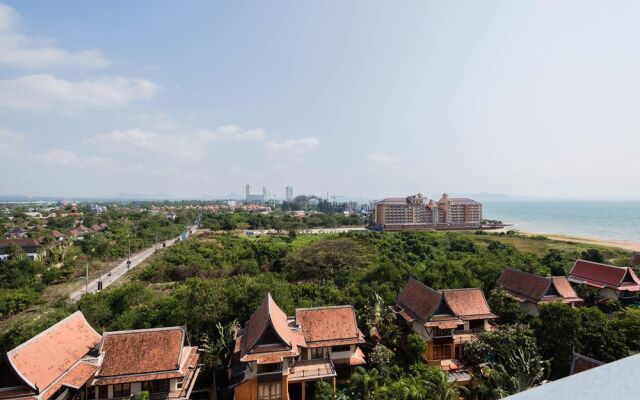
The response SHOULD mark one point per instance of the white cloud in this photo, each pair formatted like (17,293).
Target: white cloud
(9,140)
(156,121)
(380,158)
(70,159)
(232,132)
(184,146)
(45,93)
(18,49)
(294,146)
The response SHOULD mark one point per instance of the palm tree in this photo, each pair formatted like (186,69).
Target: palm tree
(365,382)
(521,370)
(415,388)
(441,388)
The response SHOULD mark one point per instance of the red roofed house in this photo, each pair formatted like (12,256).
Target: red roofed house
(276,357)
(445,319)
(55,364)
(616,283)
(152,360)
(71,360)
(532,290)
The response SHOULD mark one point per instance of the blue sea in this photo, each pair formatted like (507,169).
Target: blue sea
(618,220)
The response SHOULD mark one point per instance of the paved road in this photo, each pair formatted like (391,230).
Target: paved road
(120,269)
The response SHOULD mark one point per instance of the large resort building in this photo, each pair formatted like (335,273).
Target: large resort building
(531,291)
(415,212)
(446,320)
(280,358)
(71,361)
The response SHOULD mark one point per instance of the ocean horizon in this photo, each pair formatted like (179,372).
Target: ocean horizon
(614,220)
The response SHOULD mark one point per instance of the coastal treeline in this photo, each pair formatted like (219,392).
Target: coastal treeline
(213,283)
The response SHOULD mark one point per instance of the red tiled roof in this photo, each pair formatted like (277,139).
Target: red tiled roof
(329,324)
(530,286)
(562,285)
(56,234)
(44,358)
(467,303)
(522,286)
(75,378)
(141,351)
(357,358)
(102,381)
(418,301)
(19,242)
(268,314)
(580,363)
(603,275)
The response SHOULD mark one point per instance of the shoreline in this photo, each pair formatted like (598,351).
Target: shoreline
(620,244)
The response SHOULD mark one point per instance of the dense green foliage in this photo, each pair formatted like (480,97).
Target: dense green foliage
(280,221)
(212,283)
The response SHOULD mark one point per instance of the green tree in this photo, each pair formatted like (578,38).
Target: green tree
(558,332)
(555,262)
(364,383)
(627,323)
(415,348)
(593,255)
(508,310)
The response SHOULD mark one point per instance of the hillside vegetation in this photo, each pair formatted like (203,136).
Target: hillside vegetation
(214,282)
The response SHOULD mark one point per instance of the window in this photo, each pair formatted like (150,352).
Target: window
(442,352)
(103,392)
(122,390)
(437,332)
(317,353)
(160,386)
(337,349)
(156,386)
(269,368)
(179,383)
(270,391)
(91,392)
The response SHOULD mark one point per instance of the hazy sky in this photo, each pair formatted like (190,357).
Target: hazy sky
(195,98)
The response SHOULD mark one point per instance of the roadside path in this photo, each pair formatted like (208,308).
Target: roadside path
(117,272)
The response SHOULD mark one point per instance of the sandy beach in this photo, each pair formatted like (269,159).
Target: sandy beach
(621,244)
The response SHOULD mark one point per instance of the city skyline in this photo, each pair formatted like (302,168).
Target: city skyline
(531,100)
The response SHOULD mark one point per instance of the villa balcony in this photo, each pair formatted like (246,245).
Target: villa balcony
(307,370)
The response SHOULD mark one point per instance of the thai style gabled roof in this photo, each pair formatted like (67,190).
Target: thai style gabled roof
(329,326)
(445,309)
(524,286)
(603,275)
(266,316)
(43,359)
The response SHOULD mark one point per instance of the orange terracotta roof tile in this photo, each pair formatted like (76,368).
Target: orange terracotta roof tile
(75,378)
(329,324)
(357,358)
(44,358)
(141,351)
(267,315)
(419,299)
(524,286)
(419,302)
(113,380)
(604,275)
(467,303)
